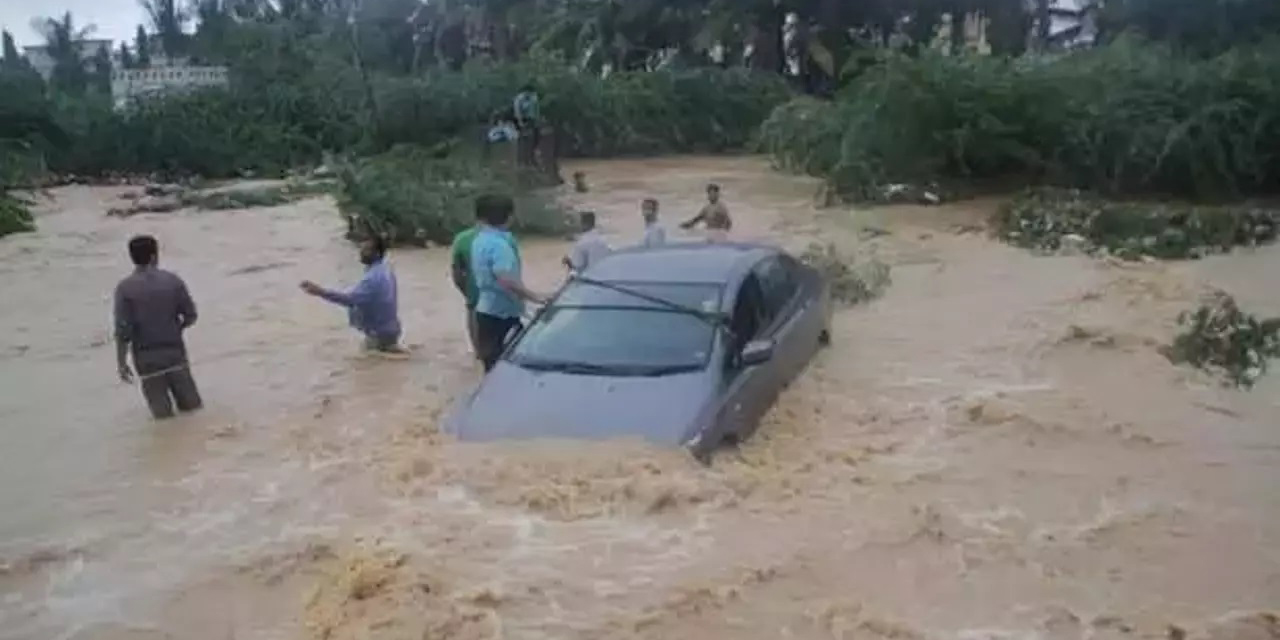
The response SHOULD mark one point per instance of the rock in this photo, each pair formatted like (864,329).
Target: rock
(159,190)
(157,204)
(1073,244)
(991,412)
(323,171)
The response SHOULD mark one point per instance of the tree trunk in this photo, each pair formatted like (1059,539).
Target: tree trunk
(768,41)
(1042,25)
(958,39)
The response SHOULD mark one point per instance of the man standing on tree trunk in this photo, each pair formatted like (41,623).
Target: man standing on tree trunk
(528,122)
(152,309)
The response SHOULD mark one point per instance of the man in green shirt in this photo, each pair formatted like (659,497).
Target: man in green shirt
(464,280)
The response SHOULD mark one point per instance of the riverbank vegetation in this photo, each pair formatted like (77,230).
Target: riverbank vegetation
(1050,220)
(1128,118)
(1177,98)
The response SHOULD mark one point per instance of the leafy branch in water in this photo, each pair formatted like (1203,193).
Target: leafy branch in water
(851,282)
(1219,337)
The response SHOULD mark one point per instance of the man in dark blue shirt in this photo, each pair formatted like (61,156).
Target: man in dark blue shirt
(373,305)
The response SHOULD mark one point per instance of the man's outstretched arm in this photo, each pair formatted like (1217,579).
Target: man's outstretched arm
(702,215)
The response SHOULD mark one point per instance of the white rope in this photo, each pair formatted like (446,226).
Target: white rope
(162,372)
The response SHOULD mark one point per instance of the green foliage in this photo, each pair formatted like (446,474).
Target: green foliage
(15,216)
(626,113)
(1198,26)
(1219,337)
(212,133)
(1125,118)
(851,281)
(411,195)
(1044,219)
(803,136)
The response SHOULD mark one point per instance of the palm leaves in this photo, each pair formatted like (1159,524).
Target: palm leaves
(63,45)
(168,20)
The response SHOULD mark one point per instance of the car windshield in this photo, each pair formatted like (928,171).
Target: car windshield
(623,329)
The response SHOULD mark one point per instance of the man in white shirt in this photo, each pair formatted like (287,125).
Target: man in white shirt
(654,234)
(590,246)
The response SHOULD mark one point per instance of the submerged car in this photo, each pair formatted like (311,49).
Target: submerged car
(685,344)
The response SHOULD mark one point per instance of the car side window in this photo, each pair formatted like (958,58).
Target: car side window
(748,317)
(778,284)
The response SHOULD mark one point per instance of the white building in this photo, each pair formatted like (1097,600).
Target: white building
(42,62)
(130,85)
(1073,24)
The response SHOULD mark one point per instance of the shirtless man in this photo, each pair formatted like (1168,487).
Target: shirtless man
(714,215)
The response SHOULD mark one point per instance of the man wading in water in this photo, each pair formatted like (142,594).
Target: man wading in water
(152,309)
(714,215)
(495,265)
(373,303)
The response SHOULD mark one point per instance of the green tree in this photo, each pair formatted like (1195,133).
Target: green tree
(1199,26)
(126,56)
(11,55)
(169,21)
(63,42)
(213,23)
(101,74)
(142,47)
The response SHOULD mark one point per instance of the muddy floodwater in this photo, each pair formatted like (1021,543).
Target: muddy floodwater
(994,449)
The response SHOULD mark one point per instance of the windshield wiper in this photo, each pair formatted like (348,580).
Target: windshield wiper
(589,369)
(713,318)
(659,371)
(557,366)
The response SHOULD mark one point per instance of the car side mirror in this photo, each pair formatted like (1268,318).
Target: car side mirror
(757,352)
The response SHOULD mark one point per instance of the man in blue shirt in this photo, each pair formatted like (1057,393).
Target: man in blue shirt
(373,303)
(495,265)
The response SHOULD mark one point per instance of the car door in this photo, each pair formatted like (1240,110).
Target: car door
(744,395)
(788,307)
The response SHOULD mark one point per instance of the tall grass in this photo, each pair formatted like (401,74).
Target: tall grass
(1129,117)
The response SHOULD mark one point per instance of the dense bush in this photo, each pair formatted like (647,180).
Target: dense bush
(14,215)
(414,196)
(1126,118)
(264,130)
(1046,219)
(212,133)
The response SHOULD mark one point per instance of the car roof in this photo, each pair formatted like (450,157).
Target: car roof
(691,262)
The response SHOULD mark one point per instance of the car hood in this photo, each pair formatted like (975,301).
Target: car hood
(513,402)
